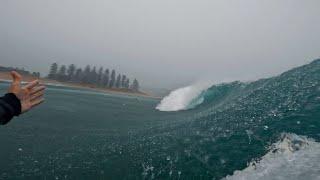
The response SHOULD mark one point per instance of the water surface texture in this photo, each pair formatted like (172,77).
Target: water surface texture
(267,129)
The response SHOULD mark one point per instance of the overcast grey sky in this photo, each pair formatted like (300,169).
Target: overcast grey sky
(164,43)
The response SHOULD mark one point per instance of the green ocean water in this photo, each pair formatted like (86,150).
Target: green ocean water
(78,134)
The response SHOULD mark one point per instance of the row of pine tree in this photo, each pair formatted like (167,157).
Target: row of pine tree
(101,78)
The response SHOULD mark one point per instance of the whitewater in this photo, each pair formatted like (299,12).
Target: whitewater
(182,98)
(293,157)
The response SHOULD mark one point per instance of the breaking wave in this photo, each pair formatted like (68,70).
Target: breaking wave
(230,124)
(200,93)
(183,98)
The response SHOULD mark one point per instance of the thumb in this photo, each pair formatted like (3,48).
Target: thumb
(16,78)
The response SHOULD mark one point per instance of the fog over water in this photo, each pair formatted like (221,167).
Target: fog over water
(163,43)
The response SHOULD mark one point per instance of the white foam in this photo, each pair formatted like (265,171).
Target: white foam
(294,157)
(179,99)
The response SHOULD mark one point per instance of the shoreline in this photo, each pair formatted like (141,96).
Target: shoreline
(5,77)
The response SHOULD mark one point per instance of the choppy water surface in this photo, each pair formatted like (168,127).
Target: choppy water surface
(268,129)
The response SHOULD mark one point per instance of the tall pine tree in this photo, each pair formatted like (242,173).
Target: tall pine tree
(86,74)
(62,73)
(127,84)
(100,77)
(78,75)
(118,81)
(123,81)
(106,78)
(53,71)
(71,71)
(93,76)
(112,79)
(135,86)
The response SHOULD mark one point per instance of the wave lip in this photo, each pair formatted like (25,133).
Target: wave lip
(182,98)
(294,157)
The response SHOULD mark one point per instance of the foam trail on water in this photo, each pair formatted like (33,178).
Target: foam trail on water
(294,157)
(180,99)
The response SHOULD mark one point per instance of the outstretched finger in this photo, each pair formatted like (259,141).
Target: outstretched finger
(37,102)
(31,85)
(16,78)
(37,89)
(37,95)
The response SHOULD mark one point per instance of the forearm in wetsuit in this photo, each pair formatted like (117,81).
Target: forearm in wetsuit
(10,106)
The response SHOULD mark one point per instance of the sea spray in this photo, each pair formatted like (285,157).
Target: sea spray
(292,157)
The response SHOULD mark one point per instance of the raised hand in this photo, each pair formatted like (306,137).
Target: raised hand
(29,95)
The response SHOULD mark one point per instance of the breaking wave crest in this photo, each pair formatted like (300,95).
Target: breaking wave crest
(293,157)
(200,93)
(181,99)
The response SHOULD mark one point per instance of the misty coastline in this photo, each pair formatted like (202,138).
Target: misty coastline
(5,77)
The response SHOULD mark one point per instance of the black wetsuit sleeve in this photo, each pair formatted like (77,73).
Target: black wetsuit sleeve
(10,106)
